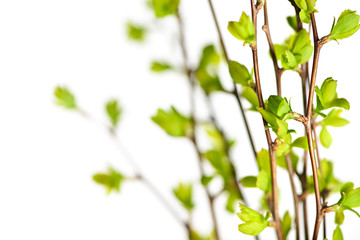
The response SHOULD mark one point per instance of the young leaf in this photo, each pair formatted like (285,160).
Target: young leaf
(183,193)
(249,181)
(111,180)
(325,137)
(339,217)
(263,181)
(209,56)
(301,142)
(337,235)
(243,30)
(346,25)
(288,60)
(286,224)
(173,123)
(209,83)
(249,94)
(239,73)
(205,180)
(301,47)
(347,187)
(64,98)
(254,222)
(327,96)
(163,8)
(113,111)
(307,7)
(135,32)
(333,119)
(279,127)
(352,199)
(221,164)
(292,22)
(157,66)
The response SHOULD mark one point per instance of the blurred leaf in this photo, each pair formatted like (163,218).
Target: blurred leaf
(352,198)
(286,224)
(249,94)
(64,98)
(339,217)
(135,32)
(337,235)
(292,22)
(173,123)
(113,111)
(301,142)
(159,67)
(263,181)
(163,8)
(183,193)
(111,180)
(325,137)
(249,181)
(239,73)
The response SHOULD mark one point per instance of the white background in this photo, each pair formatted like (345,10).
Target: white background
(48,155)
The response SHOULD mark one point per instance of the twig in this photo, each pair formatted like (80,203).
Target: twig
(193,138)
(234,92)
(275,202)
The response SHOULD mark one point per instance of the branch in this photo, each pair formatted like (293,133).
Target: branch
(234,92)
(193,138)
(275,206)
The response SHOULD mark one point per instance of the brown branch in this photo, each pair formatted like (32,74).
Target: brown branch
(295,196)
(278,71)
(193,137)
(308,126)
(234,92)
(274,196)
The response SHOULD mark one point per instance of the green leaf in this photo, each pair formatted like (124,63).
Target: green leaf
(286,224)
(305,17)
(135,32)
(232,198)
(288,60)
(339,217)
(64,98)
(158,67)
(173,123)
(220,162)
(111,180)
(209,56)
(341,103)
(249,181)
(301,47)
(217,140)
(239,73)
(346,25)
(333,119)
(254,222)
(328,89)
(325,138)
(337,235)
(308,6)
(279,106)
(352,199)
(249,94)
(113,111)
(263,181)
(243,30)
(183,193)
(347,187)
(263,160)
(280,50)
(279,127)
(208,83)
(292,21)
(205,180)
(163,8)
(301,142)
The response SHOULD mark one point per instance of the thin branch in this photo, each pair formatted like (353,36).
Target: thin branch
(295,196)
(193,138)
(266,29)
(234,92)
(275,202)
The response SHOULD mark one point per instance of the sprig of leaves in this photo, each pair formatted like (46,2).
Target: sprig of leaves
(64,98)
(254,222)
(346,25)
(111,180)
(243,30)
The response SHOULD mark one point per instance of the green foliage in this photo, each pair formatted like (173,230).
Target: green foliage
(296,50)
(111,180)
(243,30)
(196,236)
(249,181)
(217,140)
(254,222)
(183,193)
(163,8)
(173,123)
(346,25)
(220,163)
(292,21)
(135,32)
(263,181)
(327,180)
(206,72)
(250,95)
(159,67)
(113,111)
(307,7)
(337,235)
(301,142)
(327,96)
(286,224)
(64,98)
(240,74)
(352,198)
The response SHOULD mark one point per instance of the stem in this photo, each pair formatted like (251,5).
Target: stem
(295,196)
(193,137)
(308,126)
(278,71)
(274,196)
(234,92)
